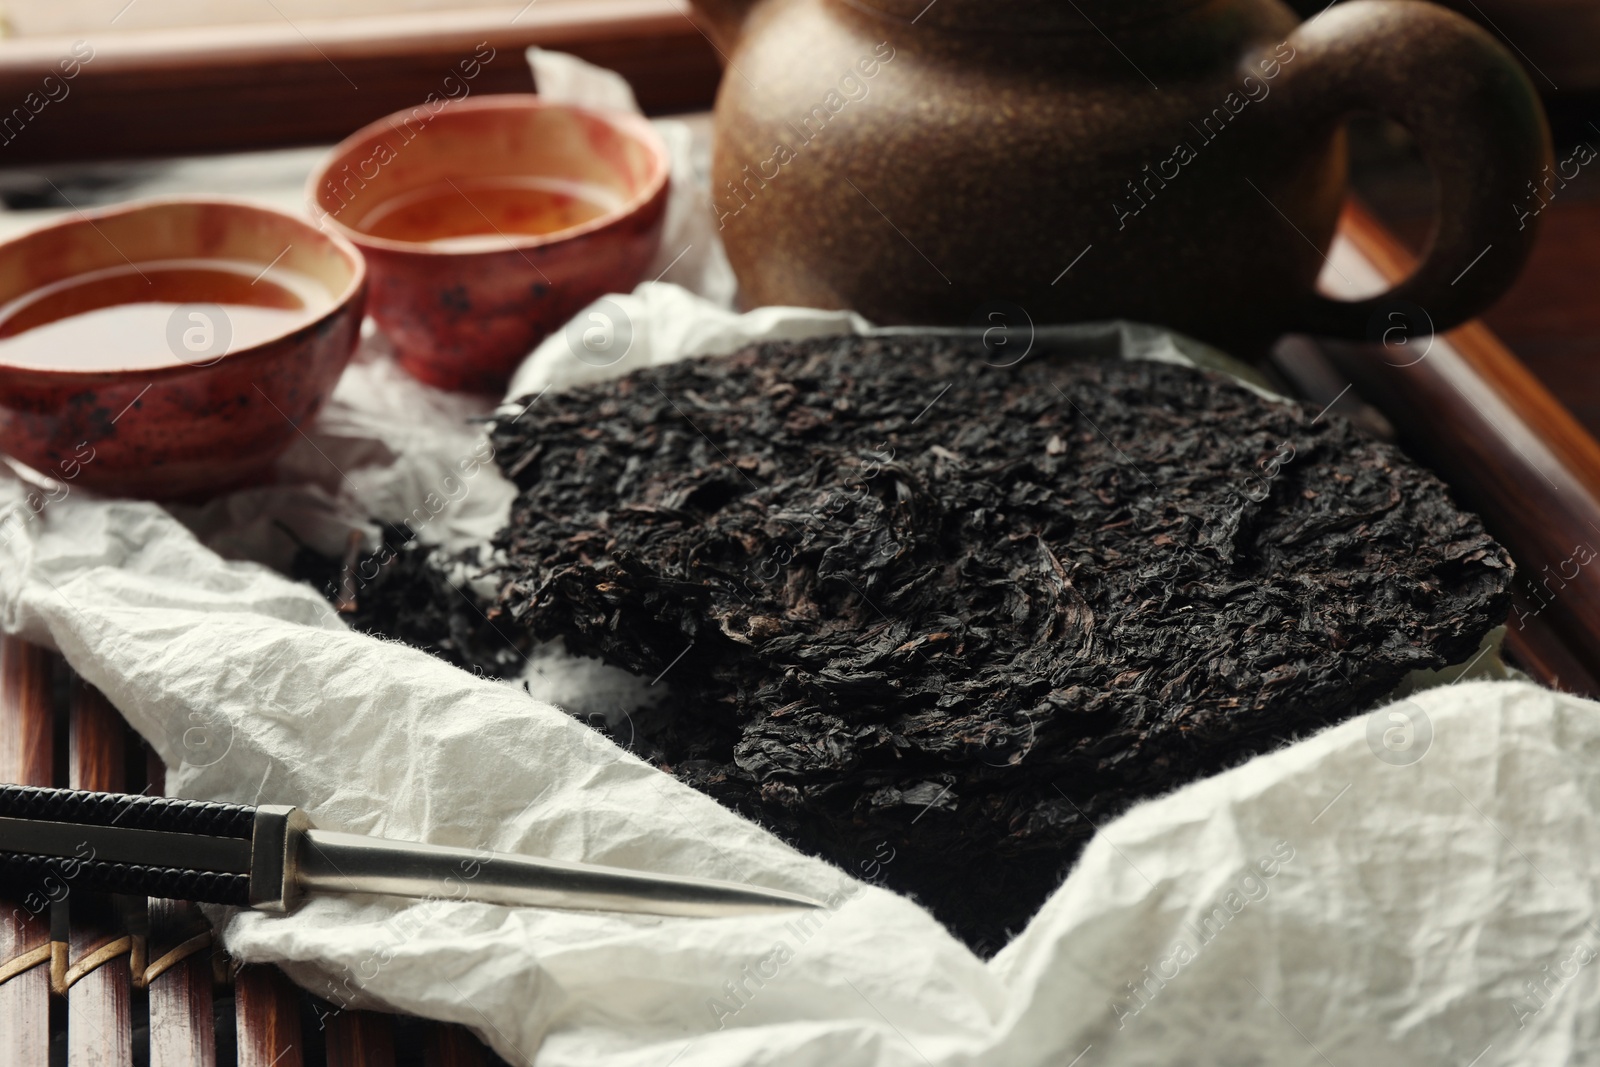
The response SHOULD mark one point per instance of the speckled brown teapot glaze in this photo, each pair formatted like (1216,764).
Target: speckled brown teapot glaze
(1171,161)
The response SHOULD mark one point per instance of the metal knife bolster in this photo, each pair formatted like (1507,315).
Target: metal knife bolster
(275,849)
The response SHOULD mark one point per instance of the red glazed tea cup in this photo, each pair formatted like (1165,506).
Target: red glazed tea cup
(463,313)
(210,418)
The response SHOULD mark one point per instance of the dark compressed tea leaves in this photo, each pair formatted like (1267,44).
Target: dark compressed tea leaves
(917,606)
(410,591)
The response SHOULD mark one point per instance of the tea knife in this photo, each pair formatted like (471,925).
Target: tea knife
(271,857)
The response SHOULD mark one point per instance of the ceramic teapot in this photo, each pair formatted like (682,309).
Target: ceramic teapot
(1171,161)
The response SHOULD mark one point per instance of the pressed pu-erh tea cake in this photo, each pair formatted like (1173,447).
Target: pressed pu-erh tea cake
(935,619)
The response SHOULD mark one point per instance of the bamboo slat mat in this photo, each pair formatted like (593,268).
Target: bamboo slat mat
(93,980)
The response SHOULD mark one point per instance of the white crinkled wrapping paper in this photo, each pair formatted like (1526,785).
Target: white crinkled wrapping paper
(1418,885)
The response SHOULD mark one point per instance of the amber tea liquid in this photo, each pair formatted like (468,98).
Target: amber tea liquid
(122,318)
(482,214)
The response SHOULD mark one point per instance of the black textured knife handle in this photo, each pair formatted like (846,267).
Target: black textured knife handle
(124,809)
(34,881)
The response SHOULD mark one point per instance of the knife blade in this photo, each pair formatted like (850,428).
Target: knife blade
(271,858)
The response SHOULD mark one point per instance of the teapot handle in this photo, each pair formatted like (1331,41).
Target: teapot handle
(1481,129)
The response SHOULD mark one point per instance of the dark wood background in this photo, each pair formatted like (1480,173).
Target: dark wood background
(177,92)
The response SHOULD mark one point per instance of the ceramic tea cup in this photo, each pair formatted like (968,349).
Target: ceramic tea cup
(170,348)
(489,223)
